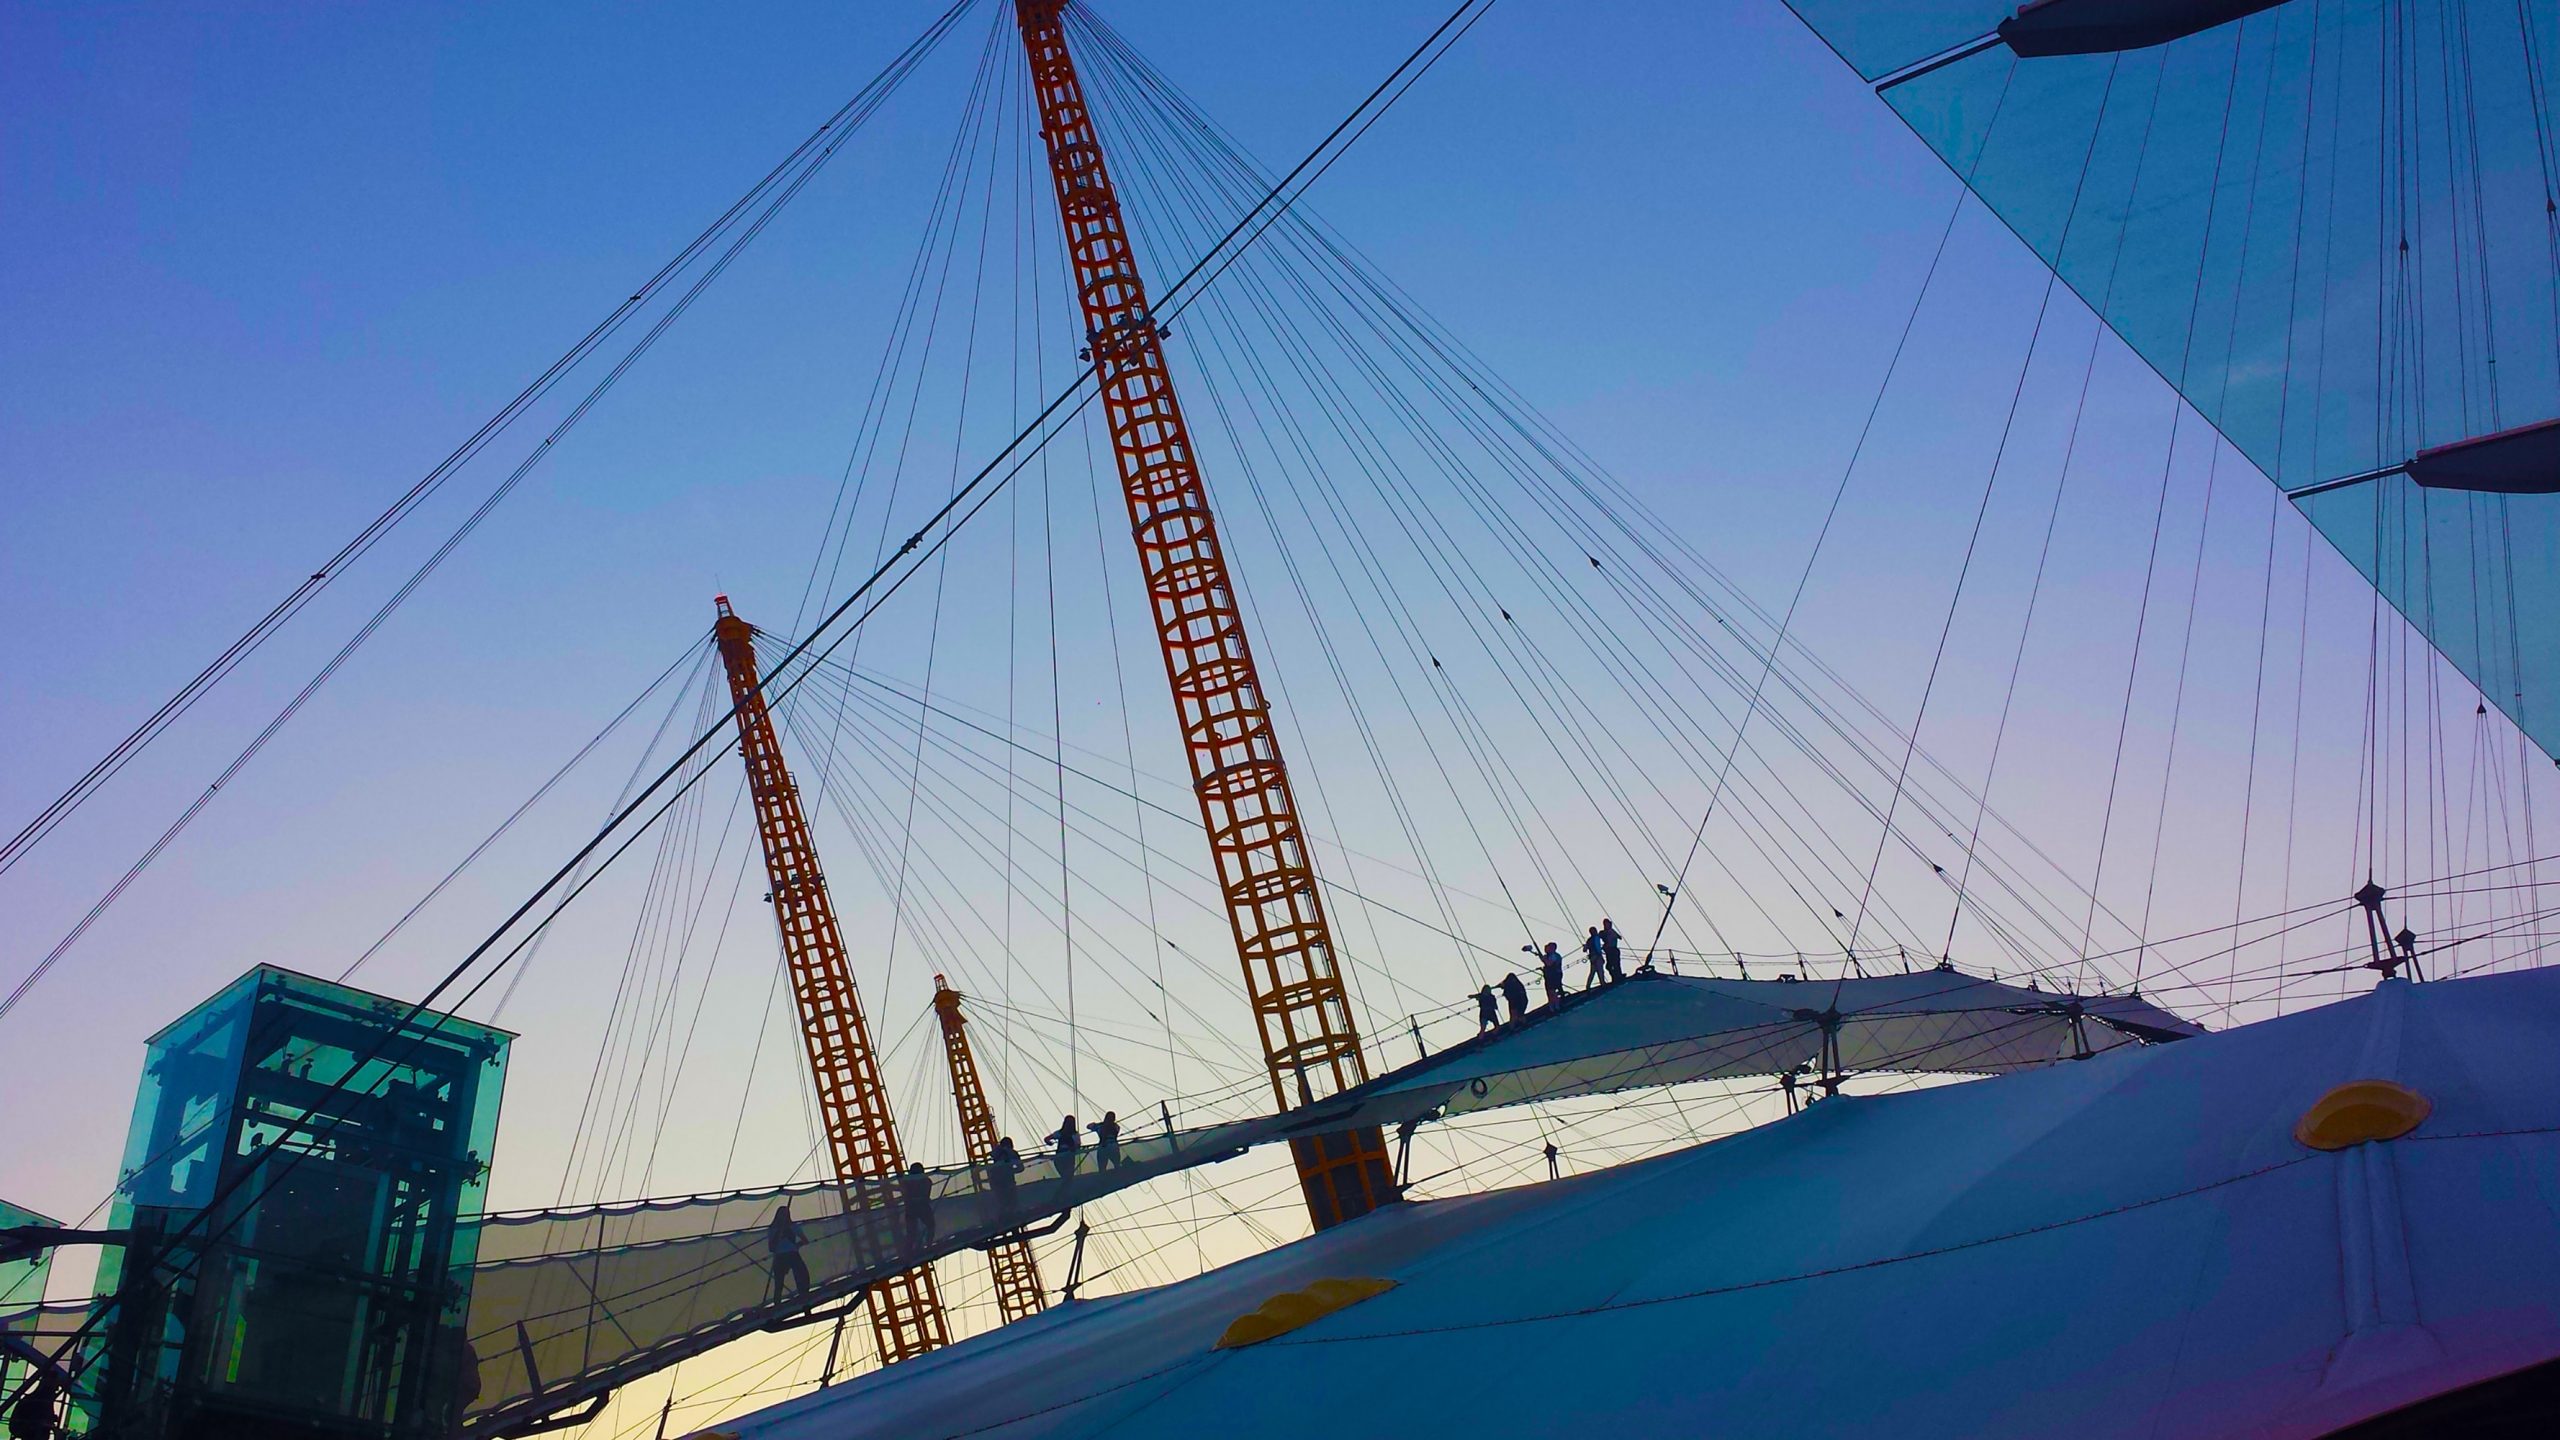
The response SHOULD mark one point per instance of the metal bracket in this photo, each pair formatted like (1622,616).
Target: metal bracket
(25,1242)
(1049,1226)
(849,1304)
(564,1420)
(1075,1265)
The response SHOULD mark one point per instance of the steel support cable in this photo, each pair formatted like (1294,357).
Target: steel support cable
(1376,283)
(1117,787)
(2319,385)
(1831,513)
(823,141)
(935,254)
(1418,656)
(2284,408)
(1149,176)
(1370,453)
(1417,660)
(1517,414)
(956,962)
(2177,414)
(663,1037)
(613,1010)
(1593,630)
(1982,508)
(668,950)
(981,117)
(1145,804)
(1122,81)
(1374,463)
(1026,192)
(1388,393)
(940,879)
(781,197)
(626,1015)
(957,717)
(973,836)
(1106,45)
(1371,457)
(1642,698)
(983,770)
(630,782)
(702,996)
(1025,186)
(1257,294)
(2053,516)
(852,480)
(693,651)
(2213,470)
(1488,385)
(1330,649)
(987,849)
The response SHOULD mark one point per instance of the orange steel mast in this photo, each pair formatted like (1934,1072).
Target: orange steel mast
(1016,1270)
(853,1103)
(1309,1041)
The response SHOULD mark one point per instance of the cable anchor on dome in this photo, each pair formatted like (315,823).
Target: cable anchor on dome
(2391,950)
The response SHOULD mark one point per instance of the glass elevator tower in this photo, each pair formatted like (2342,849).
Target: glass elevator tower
(300,1154)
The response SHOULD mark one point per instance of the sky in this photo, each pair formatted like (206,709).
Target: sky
(264,265)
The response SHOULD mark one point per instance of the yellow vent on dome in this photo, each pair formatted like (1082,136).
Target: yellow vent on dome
(2361,1110)
(1291,1309)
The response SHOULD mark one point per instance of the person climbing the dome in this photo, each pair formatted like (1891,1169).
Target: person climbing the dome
(1068,1140)
(782,1246)
(1002,1167)
(1610,941)
(1597,952)
(1515,995)
(1551,972)
(1106,1142)
(915,1194)
(1487,1016)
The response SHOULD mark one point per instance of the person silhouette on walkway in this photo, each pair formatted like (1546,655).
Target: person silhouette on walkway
(1515,995)
(1597,952)
(1067,1141)
(915,1194)
(1551,972)
(1487,1016)
(782,1244)
(1610,940)
(1002,1167)
(1106,1142)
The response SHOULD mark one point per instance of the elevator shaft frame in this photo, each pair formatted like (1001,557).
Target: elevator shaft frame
(853,1102)
(1310,1043)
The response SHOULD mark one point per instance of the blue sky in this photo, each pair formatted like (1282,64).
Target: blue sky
(263,265)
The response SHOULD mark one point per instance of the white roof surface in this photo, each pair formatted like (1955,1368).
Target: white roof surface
(2130,1245)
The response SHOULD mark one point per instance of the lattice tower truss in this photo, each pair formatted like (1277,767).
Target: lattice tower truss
(1016,1269)
(1309,1041)
(853,1102)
